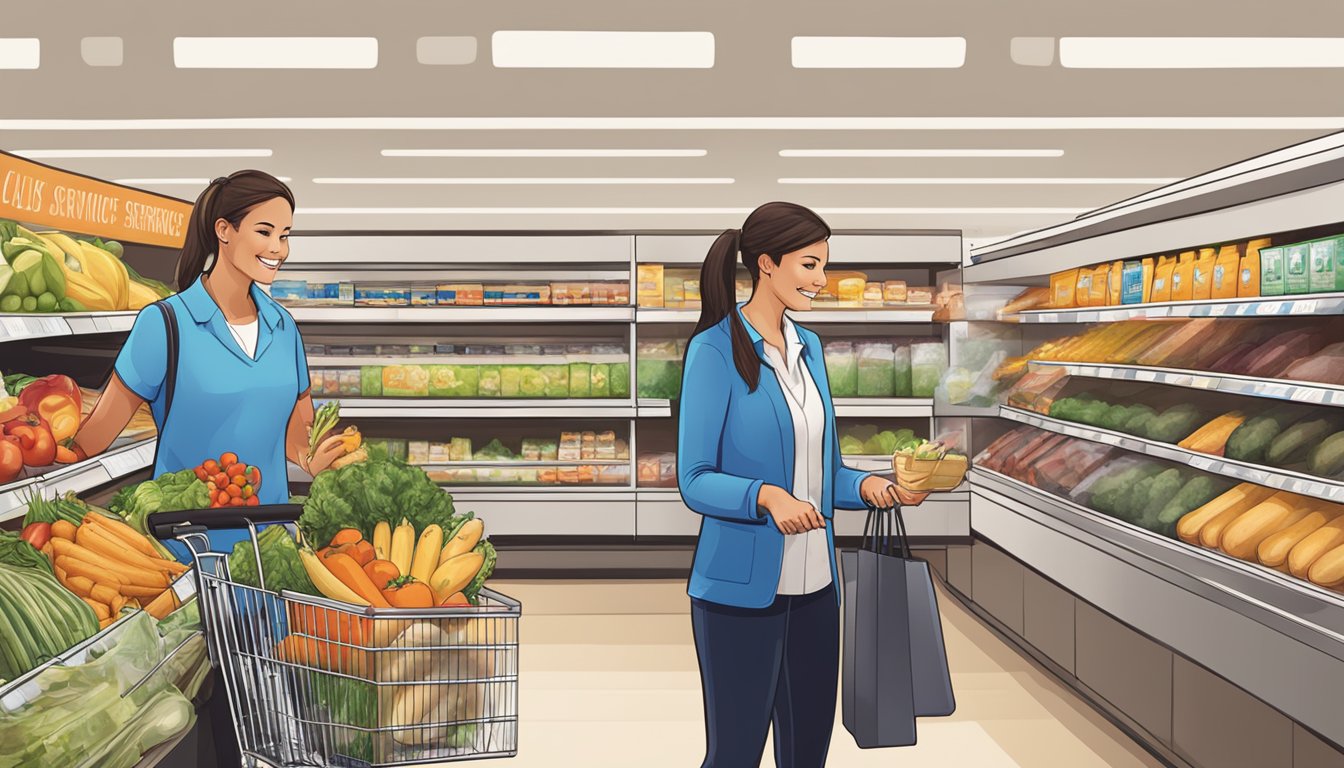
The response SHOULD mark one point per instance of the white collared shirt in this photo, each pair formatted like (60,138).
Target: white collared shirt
(807,564)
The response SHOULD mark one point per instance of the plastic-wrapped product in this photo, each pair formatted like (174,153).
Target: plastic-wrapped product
(371,381)
(557,380)
(842,368)
(533,384)
(488,384)
(876,369)
(453,380)
(510,381)
(902,385)
(405,381)
(928,361)
(600,378)
(620,380)
(580,380)
(658,370)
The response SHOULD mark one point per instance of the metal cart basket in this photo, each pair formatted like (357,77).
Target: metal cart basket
(318,682)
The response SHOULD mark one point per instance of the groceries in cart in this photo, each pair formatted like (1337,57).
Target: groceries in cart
(231,482)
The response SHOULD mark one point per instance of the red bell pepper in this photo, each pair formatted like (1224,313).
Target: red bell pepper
(37,534)
(57,384)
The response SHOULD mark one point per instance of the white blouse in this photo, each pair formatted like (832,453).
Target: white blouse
(807,564)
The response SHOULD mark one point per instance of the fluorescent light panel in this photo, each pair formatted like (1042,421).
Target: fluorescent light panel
(602,50)
(544,153)
(677,211)
(275,52)
(175,182)
(20,52)
(921,153)
(544,180)
(879,52)
(979,181)
(1201,52)
(59,154)
(1263,123)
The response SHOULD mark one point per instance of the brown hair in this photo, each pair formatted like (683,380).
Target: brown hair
(774,229)
(229,198)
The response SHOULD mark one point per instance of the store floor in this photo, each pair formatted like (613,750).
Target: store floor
(609,679)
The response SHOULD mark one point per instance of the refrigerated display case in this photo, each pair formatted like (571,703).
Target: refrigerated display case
(1160,458)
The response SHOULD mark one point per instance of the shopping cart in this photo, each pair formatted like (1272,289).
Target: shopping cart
(317,682)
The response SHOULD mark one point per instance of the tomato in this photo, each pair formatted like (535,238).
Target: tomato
(65,455)
(213,488)
(202,475)
(253,501)
(235,470)
(248,491)
(228,459)
(211,467)
(239,481)
(35,441)
(11,459)
(222,498)
(221,479)
(253,476)
(234,492)
(235,502)
(37,534)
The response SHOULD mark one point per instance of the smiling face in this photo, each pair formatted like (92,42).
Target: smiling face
(799,276)
(260,243)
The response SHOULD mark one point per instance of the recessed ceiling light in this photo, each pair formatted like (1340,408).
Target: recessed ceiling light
(602,50)
(1263,123)
(521,181)
(1201,52)
(53,154)
(977,181)
(275,52)
(921,153)
(544,153)
(20,52)
(439,211)
(879,52)
(176,182)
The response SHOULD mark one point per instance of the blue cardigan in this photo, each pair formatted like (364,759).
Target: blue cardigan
(731,442)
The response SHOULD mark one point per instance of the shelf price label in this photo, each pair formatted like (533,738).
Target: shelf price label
(1306,307)
(1269,308)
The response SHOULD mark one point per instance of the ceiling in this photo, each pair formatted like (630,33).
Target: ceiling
(112,107)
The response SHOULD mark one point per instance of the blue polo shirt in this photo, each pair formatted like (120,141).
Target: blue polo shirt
(223,400)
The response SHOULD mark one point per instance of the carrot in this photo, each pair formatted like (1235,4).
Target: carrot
(100,609)
(346,536)
(61,575)
(104,594)
(130,590)
(100,541)
(128,573)
(91,572)
(79,585)
(351,575)
(123,532)
(162,605)
(63,529)
(308,652)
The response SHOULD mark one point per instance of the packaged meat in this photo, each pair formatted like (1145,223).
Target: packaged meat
(1326,366)
(1278,353)
(1182,342)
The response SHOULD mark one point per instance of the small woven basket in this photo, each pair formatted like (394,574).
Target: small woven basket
(925,475)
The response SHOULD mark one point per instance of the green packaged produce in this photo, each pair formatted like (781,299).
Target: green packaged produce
(876,370)
(1138,419)
(580,380)
(1175,424)
(405,381)
(600,376)
(488,385)
(510,381)
(1115,418)
(620,380)
(927,364)
(1297,268)
(1272,274)
(1163,490)
(371,381)
(454,380)
(1193,495)
(842,368)
(900,357)
(557,380)
(1322,265)
(533,384)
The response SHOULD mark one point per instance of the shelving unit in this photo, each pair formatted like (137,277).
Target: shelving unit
(1297,391)
(893,315)
(116,463)
(425,408)
(463,314)
(17,327)
(1270,306)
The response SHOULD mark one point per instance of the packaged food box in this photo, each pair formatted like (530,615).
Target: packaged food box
(620,294)
(371,381)
(423,296)
(1162,279)
(877,369)
(339,350)
(417,452)
(692,289)
(393,350)
(902,385)
(328,293)
(649,285)
(350,382)
(606,446)
(1202,282)
(647,470)
(674,290)
(588,446)
(1248,280)
(620,380)
(363,350)
(1272,272)
(1100,288)
(1183,277)
(1064,289)
(422,349)
(1131,283)
(454,380)
(1297,268)
(396,448)
(382,295)
(557,380)
(842,368)
(488,384)
(1323,262)
(331,383)
(460,294)
(459,449)
(571,446)
(872,294)
(510,381)
(580,379)
(439,453)
(1225,273)
(532,350)
(1082,288)
(405,381)
(919,296)
(893,292)
(317,381)
(289,291)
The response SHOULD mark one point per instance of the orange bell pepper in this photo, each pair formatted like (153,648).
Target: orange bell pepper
(61,414)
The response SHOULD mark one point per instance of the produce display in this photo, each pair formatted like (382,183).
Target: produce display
(554,461)
(555,378)
(54,272)
(867,440)
(38,422)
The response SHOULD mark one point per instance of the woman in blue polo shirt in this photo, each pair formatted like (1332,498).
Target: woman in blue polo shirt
(242,377)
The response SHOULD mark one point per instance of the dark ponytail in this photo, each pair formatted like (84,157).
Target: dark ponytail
(229,198)
(774,229)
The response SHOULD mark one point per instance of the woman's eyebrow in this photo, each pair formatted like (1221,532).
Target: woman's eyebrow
(265,224)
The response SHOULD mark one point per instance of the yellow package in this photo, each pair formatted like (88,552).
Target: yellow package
(1082,288)
(1248,278)
(649,279)
(1114,284)
(1101,286)
(851,291)
(1183,277)
(1225,269)
(1202,283)
(1149,268)
(1063,289)
(1161,290)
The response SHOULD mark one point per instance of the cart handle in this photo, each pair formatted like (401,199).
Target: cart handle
(166,525)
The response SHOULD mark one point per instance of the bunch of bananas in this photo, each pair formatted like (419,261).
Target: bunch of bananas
(96,279)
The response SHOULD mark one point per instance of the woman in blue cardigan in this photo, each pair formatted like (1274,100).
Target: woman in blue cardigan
(759,458)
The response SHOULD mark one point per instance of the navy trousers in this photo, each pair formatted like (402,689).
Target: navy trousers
(772,665)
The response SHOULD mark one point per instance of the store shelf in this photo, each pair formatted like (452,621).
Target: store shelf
(941,410)
(327,361)
(379,252)
(919,315)
(929,247)
(463,314)
(112,465)
(14,327)
(1271,306)
(1297,391)
(884,407)
(1262,630)
(499,408)
(654,409)
(1281,479)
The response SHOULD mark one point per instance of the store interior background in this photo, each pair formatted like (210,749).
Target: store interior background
(353,143)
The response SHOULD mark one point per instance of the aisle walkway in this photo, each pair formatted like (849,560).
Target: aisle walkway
(609,680)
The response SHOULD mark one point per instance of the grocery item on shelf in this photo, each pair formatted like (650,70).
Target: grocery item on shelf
(455,462)
(1325,366)
(868,440)
(41,619)
(842,368)
(928,362)
(658,370)
(876,369)
(300,293)
(656,470)
(55,272)
(1213,436)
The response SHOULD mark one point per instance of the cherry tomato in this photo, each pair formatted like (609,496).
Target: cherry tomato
(11,459)
(213,488)
(253,476)
(211,466)
(234,491)
(235,470)
(228,459)
(221,479)
(235,502)
(222,498)
(239,481)
(253,501)
(201,474)
(248,491)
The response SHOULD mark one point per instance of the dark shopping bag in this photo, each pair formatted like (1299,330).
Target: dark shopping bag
(895,662)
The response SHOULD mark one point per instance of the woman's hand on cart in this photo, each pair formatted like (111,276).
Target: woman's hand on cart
(791,516)
(882,493)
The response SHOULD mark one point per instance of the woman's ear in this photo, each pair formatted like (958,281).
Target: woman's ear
(766,264)
(223,230)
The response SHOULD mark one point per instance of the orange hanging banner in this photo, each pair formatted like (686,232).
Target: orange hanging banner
(43,196)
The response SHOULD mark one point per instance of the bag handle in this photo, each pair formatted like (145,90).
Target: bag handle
(170,370)
(884,533)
